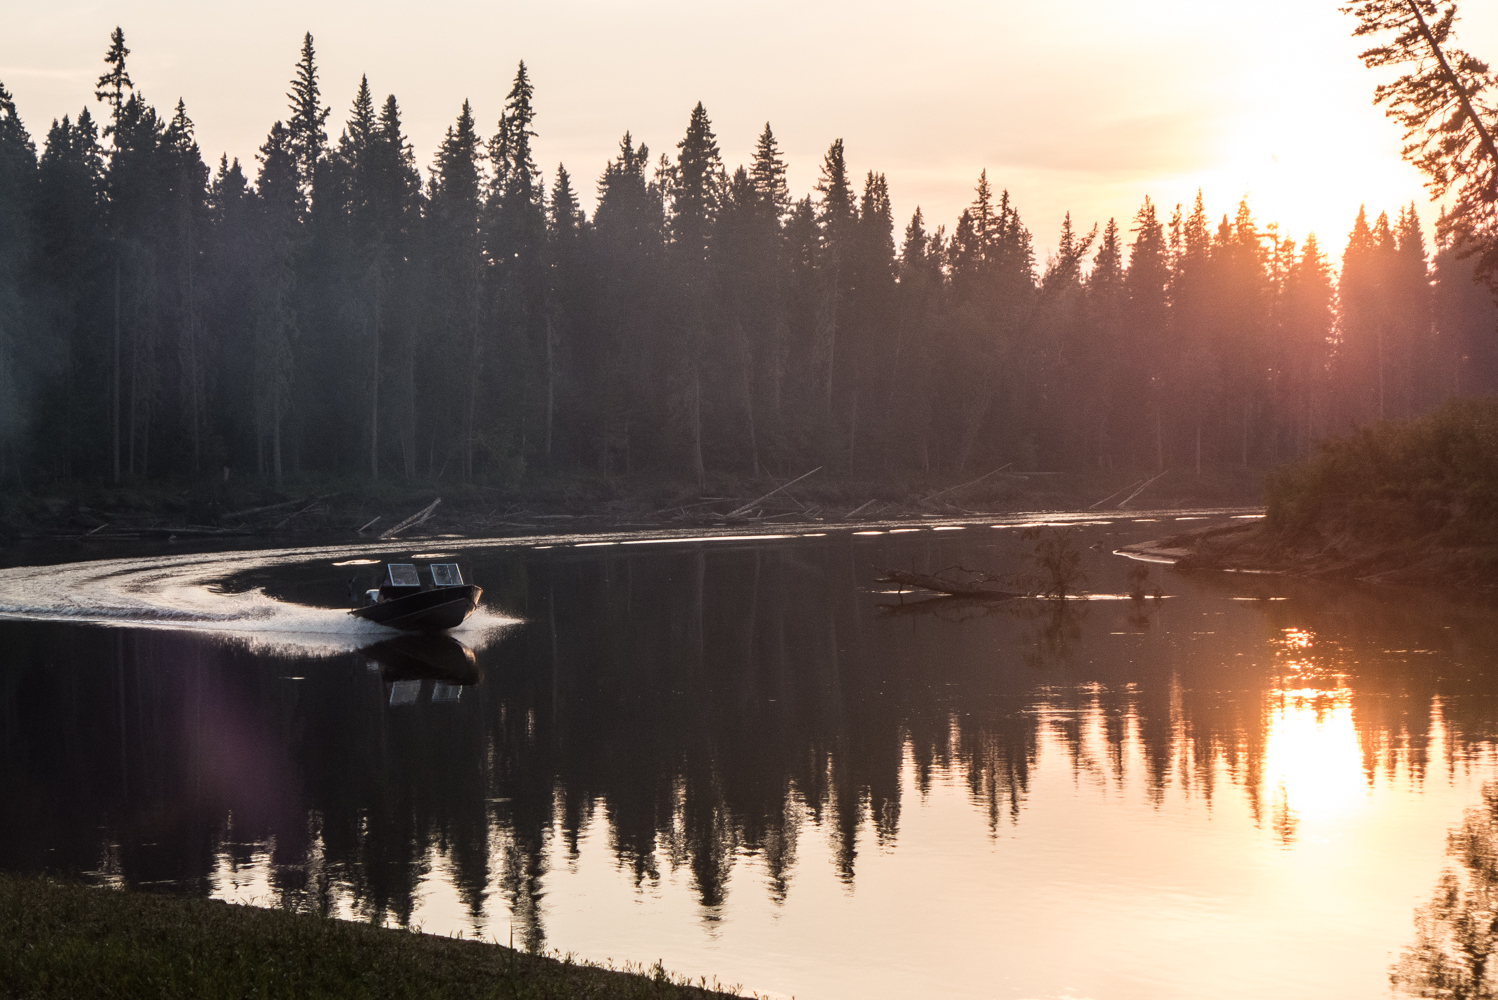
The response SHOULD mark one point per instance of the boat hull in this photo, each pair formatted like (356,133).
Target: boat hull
(429,611)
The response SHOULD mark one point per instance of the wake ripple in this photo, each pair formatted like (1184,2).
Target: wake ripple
(183,592)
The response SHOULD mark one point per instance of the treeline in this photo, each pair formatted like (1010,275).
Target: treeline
(330,310)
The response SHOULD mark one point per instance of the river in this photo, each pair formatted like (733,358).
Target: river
(746,758)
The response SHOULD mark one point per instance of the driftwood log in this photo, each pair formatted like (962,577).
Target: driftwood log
(979,586)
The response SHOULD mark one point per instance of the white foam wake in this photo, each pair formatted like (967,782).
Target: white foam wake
(183,592)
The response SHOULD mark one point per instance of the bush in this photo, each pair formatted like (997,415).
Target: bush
(1397,480)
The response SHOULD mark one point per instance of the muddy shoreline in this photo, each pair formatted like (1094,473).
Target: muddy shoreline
(1253,546)
(97,515)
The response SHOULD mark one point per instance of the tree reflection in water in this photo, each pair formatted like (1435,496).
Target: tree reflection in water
(1457,931)
(695,706)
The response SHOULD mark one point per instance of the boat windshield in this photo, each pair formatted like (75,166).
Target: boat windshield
(404,575)
(446,575)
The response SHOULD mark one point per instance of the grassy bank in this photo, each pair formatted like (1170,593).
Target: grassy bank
(59,940)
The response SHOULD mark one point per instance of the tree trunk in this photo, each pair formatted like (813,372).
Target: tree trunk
(473,376)
(374,396)
(275,441)
(1247,409)
(551,381)
(747,368)
(1159,443)
(193,377)
(116,382)
(697,465)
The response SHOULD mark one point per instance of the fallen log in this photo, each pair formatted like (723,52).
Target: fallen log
(737,512)
(978,586)
(412,521)
(1137,492)
(275,506)
(975,482)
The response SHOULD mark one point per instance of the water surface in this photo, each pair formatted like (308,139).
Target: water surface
(746,759)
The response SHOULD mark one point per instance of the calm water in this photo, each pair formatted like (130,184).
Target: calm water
(739,758)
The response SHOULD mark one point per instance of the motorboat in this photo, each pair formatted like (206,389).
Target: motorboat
(401,601)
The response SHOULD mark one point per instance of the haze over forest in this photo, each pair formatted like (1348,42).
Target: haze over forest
(332,307)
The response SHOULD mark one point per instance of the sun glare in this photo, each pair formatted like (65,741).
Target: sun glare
(1305,170)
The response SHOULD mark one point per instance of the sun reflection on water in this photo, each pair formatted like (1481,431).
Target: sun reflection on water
(1313,761)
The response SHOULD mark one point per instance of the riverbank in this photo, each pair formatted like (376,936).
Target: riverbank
(1411,502)
(324,508)
(60,940)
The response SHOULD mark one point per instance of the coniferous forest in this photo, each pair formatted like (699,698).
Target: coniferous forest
(333,308)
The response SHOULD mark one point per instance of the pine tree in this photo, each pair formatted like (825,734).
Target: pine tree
(1306,327)
(455,255)
(565,228)
(69,250)
(280,191)
(307,123)
(115,81)
(188,179)
(1146,314)
(768,171)
(836,214)
(1362,322)
(697,185)
(515,175)
(626,351)
(18,191)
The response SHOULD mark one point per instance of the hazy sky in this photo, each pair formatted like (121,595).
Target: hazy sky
(1080,105)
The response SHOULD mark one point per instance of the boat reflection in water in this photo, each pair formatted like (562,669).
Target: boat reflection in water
(407,662)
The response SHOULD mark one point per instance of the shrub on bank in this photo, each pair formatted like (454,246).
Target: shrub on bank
(1397,480)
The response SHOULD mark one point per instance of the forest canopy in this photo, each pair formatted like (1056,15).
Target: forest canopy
(334,308)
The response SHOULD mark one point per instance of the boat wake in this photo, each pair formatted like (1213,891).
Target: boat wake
(185,592)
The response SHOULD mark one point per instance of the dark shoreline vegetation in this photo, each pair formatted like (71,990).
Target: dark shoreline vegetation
(65,940)
(333,311)
(1396,502)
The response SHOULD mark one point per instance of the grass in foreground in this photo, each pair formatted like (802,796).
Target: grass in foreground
(64,940)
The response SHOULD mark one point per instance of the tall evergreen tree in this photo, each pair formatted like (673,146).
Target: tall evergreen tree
(456,278)
(279,186)
(697,185)
(115,81)
(308,121)
(18,191)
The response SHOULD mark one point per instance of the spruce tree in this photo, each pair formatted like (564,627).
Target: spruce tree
(113,83)
(1146,314)
(1306,324)
(307,123)
(695,203)
(18,190)
(275,331)
(456,262)
(768,171)
(836,214)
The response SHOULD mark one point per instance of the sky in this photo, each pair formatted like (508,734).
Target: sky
(1084,106)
